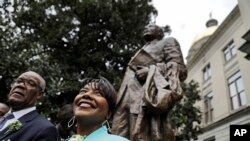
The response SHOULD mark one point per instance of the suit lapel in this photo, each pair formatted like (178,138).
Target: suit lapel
(26,118)
(4,133)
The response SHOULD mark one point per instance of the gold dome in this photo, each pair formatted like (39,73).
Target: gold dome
(202,37)
(207,32)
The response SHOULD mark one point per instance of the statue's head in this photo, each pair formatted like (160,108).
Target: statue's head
(152,32)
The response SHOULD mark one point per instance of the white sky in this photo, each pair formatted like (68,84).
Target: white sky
(187,18)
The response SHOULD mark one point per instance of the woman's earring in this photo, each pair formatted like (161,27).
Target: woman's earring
(71,121)
(106,122)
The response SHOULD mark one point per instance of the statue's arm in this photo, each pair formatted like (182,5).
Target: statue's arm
(173,67)
(173,59)
(163,87)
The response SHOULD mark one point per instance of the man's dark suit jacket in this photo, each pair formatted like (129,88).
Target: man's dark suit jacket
(34,128)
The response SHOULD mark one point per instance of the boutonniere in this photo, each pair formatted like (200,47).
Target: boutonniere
(14,126)
(77,138)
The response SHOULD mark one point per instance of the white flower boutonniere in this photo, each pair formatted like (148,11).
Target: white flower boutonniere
(14,126)
(77,138)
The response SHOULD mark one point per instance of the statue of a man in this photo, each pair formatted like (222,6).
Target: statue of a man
(150,88)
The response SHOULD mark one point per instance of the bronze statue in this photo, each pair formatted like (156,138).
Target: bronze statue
(150,88)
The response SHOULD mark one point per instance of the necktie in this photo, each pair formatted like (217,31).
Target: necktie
(5,119)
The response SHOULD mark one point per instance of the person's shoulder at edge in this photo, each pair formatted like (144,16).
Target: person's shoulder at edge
(45,124)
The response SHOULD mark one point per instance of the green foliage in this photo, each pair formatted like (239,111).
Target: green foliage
(68,40)
(186,116)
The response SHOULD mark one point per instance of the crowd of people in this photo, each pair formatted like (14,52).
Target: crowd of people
(150,88)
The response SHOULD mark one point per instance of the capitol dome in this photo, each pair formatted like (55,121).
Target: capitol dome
(202,37)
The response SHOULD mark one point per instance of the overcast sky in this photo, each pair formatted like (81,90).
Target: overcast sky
(187,18)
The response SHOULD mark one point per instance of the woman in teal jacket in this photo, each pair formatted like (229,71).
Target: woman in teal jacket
(93,107)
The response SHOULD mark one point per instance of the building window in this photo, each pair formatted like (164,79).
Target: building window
(208,107)
(229,51)
(206,72)
(236,89)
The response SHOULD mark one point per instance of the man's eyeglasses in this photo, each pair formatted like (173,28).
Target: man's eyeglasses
(26,82)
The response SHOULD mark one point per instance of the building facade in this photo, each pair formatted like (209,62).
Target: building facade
(222,70)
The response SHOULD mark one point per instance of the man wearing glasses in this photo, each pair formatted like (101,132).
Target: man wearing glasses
(25,123)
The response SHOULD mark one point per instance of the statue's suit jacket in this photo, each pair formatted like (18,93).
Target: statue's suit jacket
(34,128)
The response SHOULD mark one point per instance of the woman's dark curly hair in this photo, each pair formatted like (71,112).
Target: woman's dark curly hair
(105,88)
